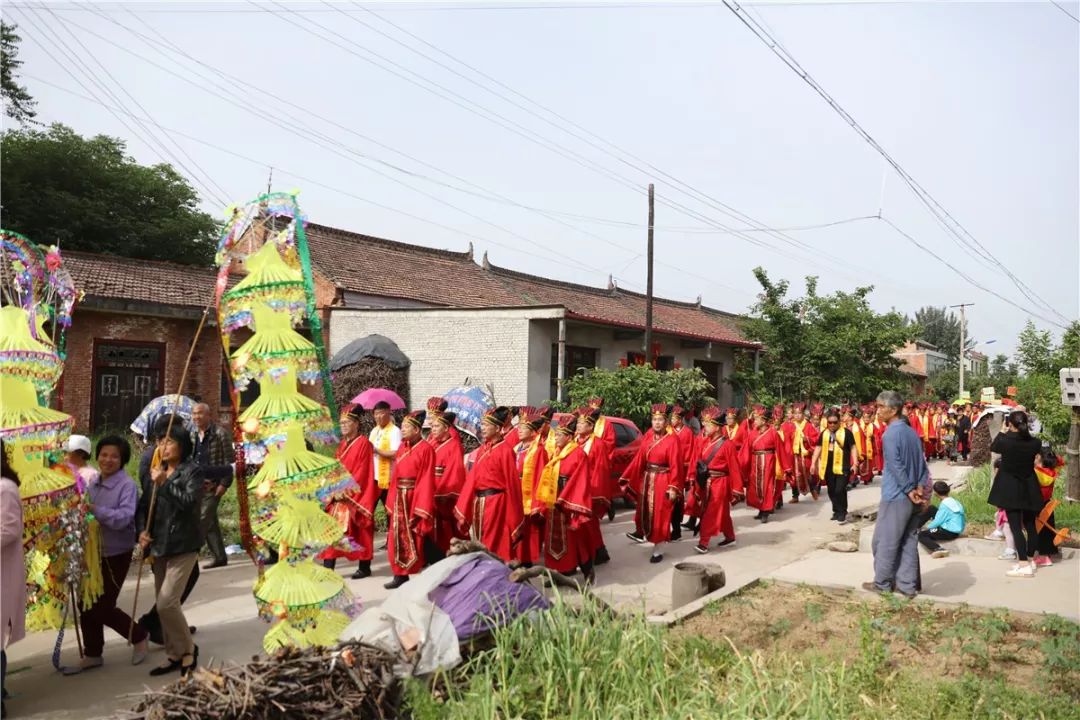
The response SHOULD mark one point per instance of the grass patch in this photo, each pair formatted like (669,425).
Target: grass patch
(780,653)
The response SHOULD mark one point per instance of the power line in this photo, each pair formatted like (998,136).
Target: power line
(153,143)
(959,232)
(1061,7)
(970,279)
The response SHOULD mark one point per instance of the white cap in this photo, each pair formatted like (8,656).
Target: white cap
(79,442)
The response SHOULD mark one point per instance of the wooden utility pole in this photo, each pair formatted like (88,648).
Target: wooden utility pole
(963,340)
(648,283)
(1072,455)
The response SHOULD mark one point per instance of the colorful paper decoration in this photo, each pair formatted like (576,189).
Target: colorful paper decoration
(61,538)
(307,604)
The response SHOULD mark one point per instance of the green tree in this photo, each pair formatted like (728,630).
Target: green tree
(940,327)
(832,348)
(88,194)
(1035,350)
(18,105)
(629,392)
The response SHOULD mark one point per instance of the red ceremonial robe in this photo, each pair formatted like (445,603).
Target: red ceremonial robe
(759,454)
(738,435)
(879,452)
(490,503)
(785,463)
(687,442)
(355,509)
(449,479)
(802,479)
(725,479)
(648,477)
(410,500)
(530,543)
(567,544)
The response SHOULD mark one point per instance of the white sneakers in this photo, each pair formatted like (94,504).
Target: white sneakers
(942,553)
(995,535)
(1023,570)
(1007,554)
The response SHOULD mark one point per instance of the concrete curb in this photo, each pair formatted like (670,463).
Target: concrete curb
(692,609)
(961,546)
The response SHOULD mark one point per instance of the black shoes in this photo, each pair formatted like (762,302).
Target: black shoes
(725,542)
(602,556)
(611,513)
(397,582)
(636,537)
(215,564)
(363,570)
(656,558)
(701,549)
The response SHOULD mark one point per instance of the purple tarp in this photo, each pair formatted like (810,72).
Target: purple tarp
(480,593)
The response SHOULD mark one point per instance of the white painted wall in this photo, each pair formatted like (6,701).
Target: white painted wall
(490,346)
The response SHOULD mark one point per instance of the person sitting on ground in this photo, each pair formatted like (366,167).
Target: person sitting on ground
(947,521)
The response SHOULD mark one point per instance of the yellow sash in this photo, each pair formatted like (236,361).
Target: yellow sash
(598,428)
(383,476)
(838,454)
(528,473)
(858,433)
(798,444)
(1046,477)
(547,490)
(779,467)
(731,433)
(868,440)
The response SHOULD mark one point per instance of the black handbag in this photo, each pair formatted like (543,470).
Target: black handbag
(701,470)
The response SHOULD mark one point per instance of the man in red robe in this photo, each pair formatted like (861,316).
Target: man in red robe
(759,455)
(354,509)
(785,463)
(490,506)
(800,435)
(449,471)
(604,430)
(723,481)
(411,502)
(530,458)
(599,454)
(567,478)
(685,437)
(652,482)
(878,429)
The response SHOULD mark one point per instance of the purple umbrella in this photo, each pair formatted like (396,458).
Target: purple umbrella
(369,397)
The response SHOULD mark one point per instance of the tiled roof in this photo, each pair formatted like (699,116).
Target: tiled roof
(909,369)
(374,266)
(112,276)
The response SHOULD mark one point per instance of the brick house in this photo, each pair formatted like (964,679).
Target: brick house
(130,336)
(460,320)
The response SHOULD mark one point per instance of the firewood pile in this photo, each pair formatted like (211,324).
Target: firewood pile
(353,680)
(369,372)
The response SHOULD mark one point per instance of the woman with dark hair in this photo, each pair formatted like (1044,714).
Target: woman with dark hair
(12,563)
(112,499)
(1016,489)
(171,534)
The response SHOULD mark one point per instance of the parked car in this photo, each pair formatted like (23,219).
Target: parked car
(627,441)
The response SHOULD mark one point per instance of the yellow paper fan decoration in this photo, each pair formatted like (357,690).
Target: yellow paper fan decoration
(298,523)
(297,585)
(324,631)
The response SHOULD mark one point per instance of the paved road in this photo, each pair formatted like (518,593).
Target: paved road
(223,609)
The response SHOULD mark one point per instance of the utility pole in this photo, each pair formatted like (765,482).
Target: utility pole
(963,340)
(1072,455)
(648,283)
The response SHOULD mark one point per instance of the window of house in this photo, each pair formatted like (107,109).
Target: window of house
(665,362)
(577,358)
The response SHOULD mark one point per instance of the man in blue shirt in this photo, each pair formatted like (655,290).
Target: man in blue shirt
(905,491)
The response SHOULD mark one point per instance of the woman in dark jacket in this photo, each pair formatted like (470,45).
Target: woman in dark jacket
(173,537)
(1016,489)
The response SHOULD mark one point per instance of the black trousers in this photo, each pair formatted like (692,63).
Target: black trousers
(676,517)
(1021,521)
(838,489)
(929,538)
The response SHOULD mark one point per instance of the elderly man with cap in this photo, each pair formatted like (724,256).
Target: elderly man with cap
(410,502)
(599,454)
(354,509)
(563,500)
(721,482)
(530,458)
(449,471)
(490,505)
(652,481)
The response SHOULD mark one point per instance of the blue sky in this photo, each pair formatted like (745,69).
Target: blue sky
(979,102)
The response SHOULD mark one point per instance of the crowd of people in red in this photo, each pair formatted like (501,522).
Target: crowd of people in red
(535,491)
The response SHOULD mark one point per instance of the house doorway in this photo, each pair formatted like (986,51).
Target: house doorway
(126,377)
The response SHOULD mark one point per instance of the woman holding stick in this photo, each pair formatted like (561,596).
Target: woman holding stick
(112,499)
(168,522)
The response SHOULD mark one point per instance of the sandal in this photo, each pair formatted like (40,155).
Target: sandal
(87,663)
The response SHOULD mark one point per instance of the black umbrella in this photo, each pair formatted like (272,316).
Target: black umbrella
(375,346)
